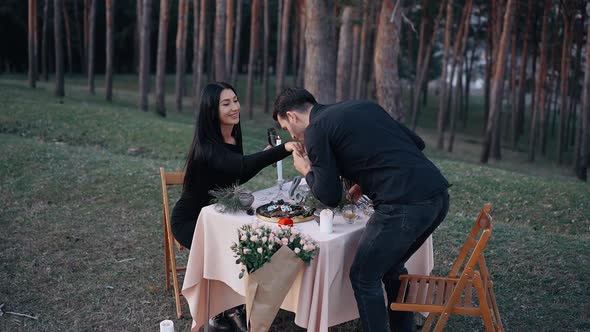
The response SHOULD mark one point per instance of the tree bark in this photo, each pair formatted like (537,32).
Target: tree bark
(237,40)
(144,61)
(421,83)
(519,116)
(80,39)
(497,82)
(200,55)
(68,37)
(362,64)
(320,69)
(85,14)
(195,51)
(265,51)
(344,62)
(161,60)
(91,40)
(137,36)
(356,36)
(32,31)
(59,59)
(539,102)
(44,54)
(513,90)
(442,83)
(424,18)
(282,60)
(302,47)
(110,16)
(576,93)
(229,37)
(279,34)
(219,53)
(181,51)
(585,118)
(563,90)
(386,57)
(252,55)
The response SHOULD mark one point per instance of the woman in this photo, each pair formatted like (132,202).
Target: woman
(216,160)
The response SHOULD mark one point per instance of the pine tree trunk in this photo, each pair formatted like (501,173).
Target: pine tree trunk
(110,16)
(421,83)
(91,40)
(237,41)
(68,37)
(302,47)
(539,101)
(362,64)
(576,97)
(282,59)
(31,49)
(219,53)
(420,55)
(229,37)
(492,132)
(356,36)
(343,67)
(513,71)
(519,118)
(181,51)
(196,16)
(44,54)
(161,58)
(200,54)
(585,118)
(58,38)
(252,56)
(136,37)
(386,57)
(85,14)
(79,37)
(563,90)
(144,60)
(320,69)
(265,51)
(442,83)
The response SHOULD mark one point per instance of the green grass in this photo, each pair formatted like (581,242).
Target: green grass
(81,238)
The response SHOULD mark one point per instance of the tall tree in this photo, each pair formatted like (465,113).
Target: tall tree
(68,37)
(137,35)
(161,58)
(320,69)
(91,40)
(201,54)
(79,37)
(282,59)
(564,72)
(300,9)
(32,33)
(219,40)
(422,71)
(44,54)
(362,64)
(252,55)
(85,14)
(110,17)
(344,61)
(386,58)
(497,81)
(144,60)
(195,51)
(229,37)
(519,118)
(181,51)
(356,39)
(59,58)
(584,150)
(237,41)
(424,18)
(442,83)
(265,51)
(540,85)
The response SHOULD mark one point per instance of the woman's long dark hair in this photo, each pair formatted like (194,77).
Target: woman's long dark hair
(208,128)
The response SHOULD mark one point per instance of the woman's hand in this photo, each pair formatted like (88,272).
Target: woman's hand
(295,147)
(354,193)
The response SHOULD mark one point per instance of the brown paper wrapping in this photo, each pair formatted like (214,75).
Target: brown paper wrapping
(267,287)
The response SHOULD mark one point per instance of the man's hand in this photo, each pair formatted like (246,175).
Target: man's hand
(301,163)
(295,147)
(354,193)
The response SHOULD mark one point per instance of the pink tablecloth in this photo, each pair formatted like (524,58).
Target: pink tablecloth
(321,295)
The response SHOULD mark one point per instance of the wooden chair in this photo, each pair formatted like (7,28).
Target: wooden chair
(170,179)
(443,296)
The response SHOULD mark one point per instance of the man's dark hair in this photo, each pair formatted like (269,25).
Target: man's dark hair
(292,99)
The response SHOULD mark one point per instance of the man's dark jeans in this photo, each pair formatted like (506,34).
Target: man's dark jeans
(392,236)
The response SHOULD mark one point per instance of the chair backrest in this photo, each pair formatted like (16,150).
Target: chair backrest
(474,245)
(169,179)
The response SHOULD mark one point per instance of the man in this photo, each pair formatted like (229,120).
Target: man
(359,141)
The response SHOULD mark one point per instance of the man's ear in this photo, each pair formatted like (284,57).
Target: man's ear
(291,116)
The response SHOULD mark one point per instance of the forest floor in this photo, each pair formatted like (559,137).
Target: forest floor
(81,233)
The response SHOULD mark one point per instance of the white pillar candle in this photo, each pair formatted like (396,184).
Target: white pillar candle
(167,326)
(326,221)
(279,163)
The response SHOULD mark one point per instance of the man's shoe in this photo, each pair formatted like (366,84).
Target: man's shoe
(237,317)
(220,324)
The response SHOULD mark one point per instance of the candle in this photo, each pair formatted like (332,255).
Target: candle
(279,164)
(326,221)
(166,326)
